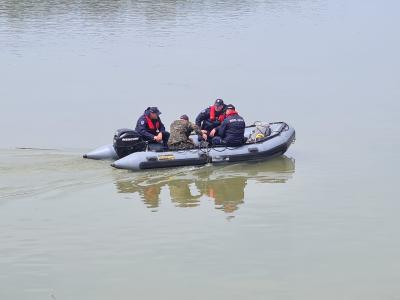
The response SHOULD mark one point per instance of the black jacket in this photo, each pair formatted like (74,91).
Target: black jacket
(204,122)
(143,128)
(232,130)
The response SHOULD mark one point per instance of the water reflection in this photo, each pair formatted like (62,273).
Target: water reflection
(64,14)
(225,185)
(152,9)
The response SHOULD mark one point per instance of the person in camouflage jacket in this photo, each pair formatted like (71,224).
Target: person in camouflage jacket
(180,132)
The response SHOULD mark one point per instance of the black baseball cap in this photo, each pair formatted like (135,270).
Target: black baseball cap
(154,109)
(219,102)
(184,117)
(230,106)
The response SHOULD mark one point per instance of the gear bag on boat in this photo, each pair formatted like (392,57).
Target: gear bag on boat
(261,131)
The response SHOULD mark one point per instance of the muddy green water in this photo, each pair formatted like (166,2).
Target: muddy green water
(321,222)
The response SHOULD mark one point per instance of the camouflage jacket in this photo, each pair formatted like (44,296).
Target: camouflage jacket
(180,131)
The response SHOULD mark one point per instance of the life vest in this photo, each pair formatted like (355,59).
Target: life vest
(221,117)
(151,125)
(231,113)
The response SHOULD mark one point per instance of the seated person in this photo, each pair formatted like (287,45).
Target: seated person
(211,117)
(231,131)
(150,127)
(180,132)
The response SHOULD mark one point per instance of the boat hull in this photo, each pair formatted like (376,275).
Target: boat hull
(276,144)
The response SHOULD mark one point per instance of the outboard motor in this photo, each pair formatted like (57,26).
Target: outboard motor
(128,141)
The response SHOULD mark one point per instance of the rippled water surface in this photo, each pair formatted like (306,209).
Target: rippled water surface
(320,222)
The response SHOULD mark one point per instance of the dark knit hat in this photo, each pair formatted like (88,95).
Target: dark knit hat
(184,117)
(154,109)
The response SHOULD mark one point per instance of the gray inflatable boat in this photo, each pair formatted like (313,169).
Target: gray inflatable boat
(280,136)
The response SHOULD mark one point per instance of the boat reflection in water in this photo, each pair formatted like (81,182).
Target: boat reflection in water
(224,184)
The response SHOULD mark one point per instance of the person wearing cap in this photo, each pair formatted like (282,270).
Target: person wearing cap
(231,130)
(212,116)
(180,132)
(150,127)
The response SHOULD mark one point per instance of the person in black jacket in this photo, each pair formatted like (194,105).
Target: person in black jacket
(150,127)
(231,131)
(212,116)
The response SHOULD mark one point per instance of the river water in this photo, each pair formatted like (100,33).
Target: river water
(320,222)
